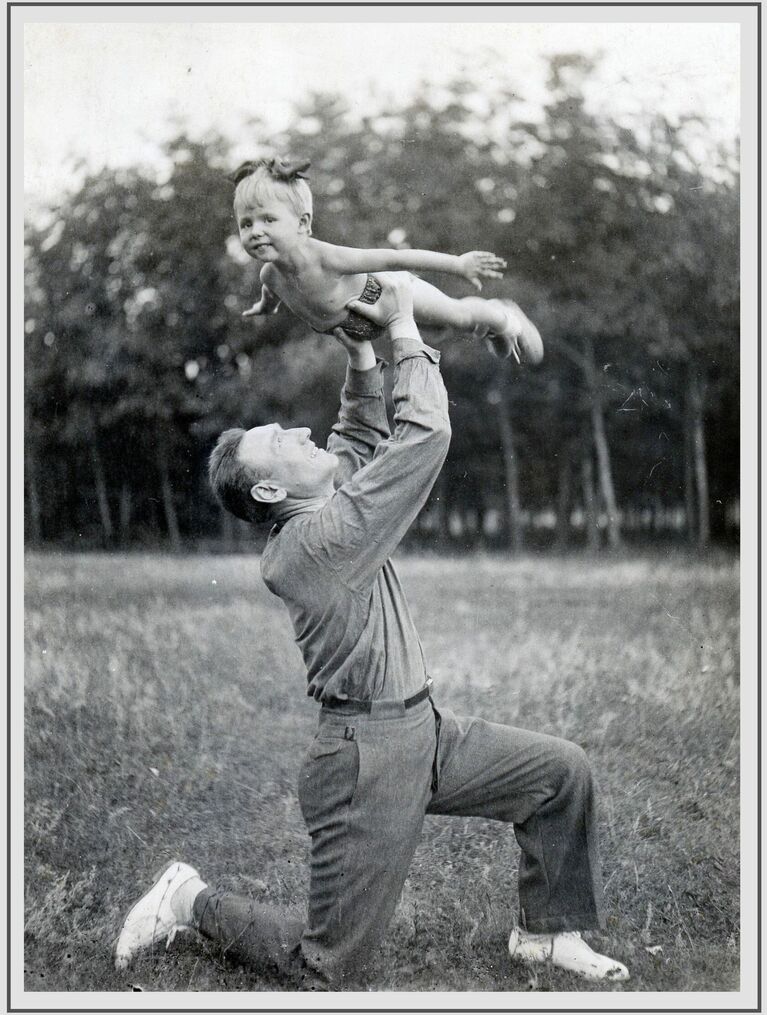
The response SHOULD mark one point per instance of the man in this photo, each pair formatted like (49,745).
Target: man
(384,755)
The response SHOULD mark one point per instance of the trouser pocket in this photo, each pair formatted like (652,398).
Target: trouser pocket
(327,781)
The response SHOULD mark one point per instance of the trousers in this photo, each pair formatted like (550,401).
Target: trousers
(364,787)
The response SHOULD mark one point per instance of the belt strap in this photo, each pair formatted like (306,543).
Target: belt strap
(355,705)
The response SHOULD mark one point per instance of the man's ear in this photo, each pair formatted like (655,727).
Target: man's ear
(305,222)
(267,493)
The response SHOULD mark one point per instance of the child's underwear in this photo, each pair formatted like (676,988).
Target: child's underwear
(357,326)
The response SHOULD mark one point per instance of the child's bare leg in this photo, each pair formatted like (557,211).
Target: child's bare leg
(432,306)
(507,330)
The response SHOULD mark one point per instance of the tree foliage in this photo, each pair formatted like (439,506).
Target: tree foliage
(622,244)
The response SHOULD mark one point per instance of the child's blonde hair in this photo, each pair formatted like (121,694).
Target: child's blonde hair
(256,181)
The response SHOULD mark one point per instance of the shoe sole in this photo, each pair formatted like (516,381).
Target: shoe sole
(616,977)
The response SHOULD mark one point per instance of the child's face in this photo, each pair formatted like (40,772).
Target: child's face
(269,227)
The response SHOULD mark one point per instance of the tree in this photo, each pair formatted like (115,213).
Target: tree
(695,220)
(622,247)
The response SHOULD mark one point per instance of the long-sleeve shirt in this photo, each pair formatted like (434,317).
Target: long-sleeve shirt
(331,567)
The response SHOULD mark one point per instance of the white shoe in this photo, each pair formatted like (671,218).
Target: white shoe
(567,950)
(153,919)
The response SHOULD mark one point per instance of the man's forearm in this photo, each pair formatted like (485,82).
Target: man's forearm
(361,356)
(403,326)
(362,421)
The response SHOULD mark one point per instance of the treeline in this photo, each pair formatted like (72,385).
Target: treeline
(622,244)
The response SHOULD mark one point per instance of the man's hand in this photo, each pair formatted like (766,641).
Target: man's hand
(394,308)
(360,352)
(480,262)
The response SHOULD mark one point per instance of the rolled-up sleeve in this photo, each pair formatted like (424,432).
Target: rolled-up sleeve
(363,522)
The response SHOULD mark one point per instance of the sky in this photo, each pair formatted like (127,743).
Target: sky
(108,93)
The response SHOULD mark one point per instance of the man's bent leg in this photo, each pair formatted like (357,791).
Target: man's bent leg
(250,931)
(363,791)
(544,786)
(363,788)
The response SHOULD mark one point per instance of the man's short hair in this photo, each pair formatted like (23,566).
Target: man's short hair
(231,480)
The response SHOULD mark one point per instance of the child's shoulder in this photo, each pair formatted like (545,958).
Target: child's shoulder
(332,257)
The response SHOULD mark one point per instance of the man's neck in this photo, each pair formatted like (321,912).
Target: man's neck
(293,506)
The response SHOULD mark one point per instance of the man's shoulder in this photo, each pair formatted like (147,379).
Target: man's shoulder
(291,550)
(304,561)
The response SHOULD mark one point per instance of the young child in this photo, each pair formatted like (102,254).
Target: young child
(317,280)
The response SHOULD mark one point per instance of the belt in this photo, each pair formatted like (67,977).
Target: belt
(355,705)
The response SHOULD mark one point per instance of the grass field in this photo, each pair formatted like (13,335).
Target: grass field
(166,718)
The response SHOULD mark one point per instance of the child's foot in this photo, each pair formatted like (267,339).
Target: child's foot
(519,338)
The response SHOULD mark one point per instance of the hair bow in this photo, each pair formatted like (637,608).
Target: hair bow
(242,171)
(280,169)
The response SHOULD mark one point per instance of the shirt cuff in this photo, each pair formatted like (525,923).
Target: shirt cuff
(410,348)
(365,382)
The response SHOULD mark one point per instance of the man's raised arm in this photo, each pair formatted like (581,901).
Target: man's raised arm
(363,523)
(362,421)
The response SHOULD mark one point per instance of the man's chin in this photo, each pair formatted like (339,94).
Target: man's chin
(325,474)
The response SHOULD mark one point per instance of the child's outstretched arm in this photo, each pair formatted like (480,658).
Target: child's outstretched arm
(472,266)
(268,303)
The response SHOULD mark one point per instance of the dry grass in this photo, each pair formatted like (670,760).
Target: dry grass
(166,718)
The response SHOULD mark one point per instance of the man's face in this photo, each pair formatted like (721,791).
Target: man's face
(268,228)
(289,459)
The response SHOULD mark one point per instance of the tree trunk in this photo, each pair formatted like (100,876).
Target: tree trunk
(101,489)
(126,498)
(510,466)
(695,395)
(590,502)
(33,495)
(602,448)
(166,490)
(563,499)
(689,484)
(63,521)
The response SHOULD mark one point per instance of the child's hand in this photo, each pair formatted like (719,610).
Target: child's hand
(256,309)
(480,262)
(268,304)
